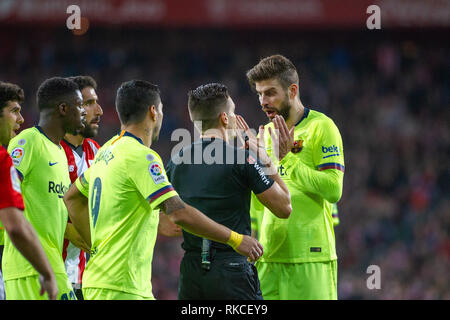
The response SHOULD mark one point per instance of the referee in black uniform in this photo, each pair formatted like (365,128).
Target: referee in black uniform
(217,178)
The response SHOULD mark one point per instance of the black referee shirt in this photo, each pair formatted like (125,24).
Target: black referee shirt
(217,179)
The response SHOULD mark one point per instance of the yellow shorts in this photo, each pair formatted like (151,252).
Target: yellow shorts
(27,288)
(109,294)
(298,281)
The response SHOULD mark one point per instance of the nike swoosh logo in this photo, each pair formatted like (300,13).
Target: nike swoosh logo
(52,164)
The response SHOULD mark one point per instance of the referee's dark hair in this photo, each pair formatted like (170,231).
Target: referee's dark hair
(84,81)
(55,91)
(134,98)
(10,92)
(206,103)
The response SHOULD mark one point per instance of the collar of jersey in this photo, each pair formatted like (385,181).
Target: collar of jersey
(42,131)
(124,133)
(78,149)
(305,115)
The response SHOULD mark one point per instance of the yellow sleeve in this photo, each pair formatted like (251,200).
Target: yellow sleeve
(256,215)
(82,183)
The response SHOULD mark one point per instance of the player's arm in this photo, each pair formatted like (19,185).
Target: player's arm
(277,198)
(195,222)
(161,195)
(20,231)
(25,239)
(75,238)
(76,202)
(256,214)
(327,184)
(335,214)
(167,228)
(327,179)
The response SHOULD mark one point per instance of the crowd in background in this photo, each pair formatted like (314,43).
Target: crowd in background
(388,93)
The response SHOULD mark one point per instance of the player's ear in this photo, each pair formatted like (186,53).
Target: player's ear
(62,108)
(292,90)
(153,112)
(224,119)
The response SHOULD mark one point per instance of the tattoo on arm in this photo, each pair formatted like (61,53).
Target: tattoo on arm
(172,204)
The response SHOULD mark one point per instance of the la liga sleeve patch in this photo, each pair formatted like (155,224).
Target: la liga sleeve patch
(157,173)
(17,155)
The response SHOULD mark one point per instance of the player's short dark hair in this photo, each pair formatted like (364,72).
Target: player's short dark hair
(55,91)
(84,82)
(276,66)
(206,102)
(133,99)
(10,92)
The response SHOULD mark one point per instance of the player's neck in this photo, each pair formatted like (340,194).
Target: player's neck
(215,133)
(138,130)
(295,114)
(74,140)
(52,129)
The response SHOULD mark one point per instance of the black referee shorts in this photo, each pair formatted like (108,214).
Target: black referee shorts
(231,277)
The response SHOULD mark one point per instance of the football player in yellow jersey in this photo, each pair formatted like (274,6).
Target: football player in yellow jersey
(300,259)
(115,204)
(20,232)
(41,163)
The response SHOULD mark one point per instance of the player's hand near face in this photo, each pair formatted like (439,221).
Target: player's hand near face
(277,198)
(256,145)
(283,137)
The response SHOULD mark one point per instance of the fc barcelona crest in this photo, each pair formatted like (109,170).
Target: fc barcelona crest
(298,146)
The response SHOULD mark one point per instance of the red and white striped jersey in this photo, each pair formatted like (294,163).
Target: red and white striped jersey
(74,258)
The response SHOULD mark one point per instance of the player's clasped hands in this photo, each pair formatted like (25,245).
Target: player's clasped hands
(282,138)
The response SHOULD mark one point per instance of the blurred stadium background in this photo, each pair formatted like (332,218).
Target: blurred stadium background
(387,90)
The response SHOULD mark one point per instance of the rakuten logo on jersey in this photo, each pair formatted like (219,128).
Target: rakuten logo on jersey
(58,188)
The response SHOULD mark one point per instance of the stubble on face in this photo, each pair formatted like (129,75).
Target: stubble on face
(285,108)
(273,98)
(93,113)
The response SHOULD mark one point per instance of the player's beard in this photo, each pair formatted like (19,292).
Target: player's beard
(285,108)
(89,131)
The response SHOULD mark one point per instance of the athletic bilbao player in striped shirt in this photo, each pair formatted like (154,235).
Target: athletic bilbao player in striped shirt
(80,152)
